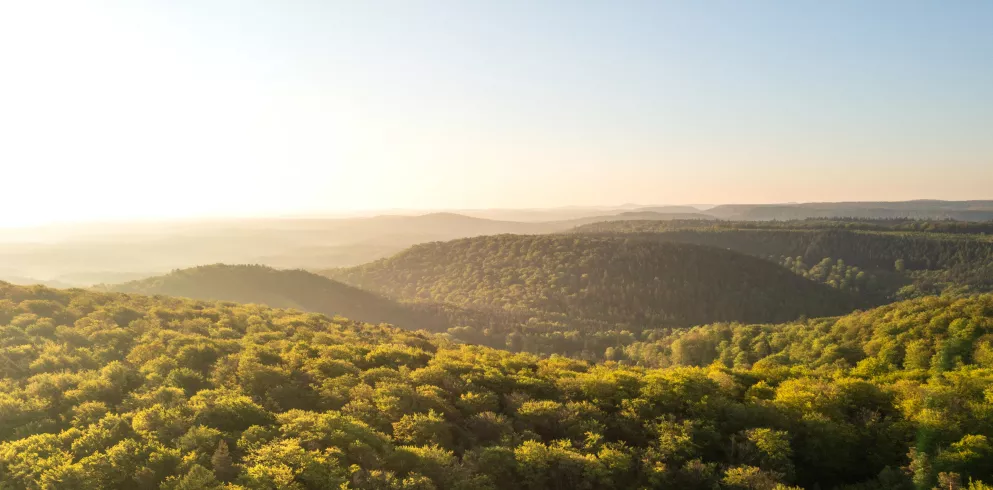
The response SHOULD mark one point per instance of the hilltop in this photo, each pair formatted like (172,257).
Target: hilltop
(280,289)
(898,258)
(635,283)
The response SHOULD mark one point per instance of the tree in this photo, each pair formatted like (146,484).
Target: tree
(423,429)
(198,478)
(221,461)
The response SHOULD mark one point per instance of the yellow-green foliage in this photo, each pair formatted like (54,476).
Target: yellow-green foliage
(124,391)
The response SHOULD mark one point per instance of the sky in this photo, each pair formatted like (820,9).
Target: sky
(144,109)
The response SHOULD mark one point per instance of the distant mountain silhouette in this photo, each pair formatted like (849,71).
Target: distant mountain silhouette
(920,209)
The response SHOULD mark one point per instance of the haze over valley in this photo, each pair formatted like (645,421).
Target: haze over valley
(74,255)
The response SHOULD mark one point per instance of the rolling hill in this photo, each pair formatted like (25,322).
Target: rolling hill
(280,289)
(927,256)
(902,335)
(615,281)
(79,255)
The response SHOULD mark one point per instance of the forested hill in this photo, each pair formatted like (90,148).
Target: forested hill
(281,289)
(115,391)
(863,248)
(619,281)
(931,333)
(928,256)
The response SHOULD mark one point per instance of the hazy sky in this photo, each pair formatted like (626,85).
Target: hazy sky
(136,108)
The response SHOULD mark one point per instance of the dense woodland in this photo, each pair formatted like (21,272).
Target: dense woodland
(536,294)
(106,390)
(696,355)
(578,295)
(614,280)
(281,289)
(836,274)
(907,258)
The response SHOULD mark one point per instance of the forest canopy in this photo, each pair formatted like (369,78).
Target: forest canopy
(108,390)
(534,285)
(900,258)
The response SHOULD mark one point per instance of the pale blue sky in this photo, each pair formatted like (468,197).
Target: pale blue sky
(134,109)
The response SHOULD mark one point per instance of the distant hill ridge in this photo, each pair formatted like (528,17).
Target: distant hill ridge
(920,209)
(85,254)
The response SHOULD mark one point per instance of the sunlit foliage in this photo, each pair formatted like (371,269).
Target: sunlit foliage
(125,391)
